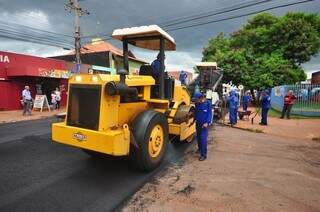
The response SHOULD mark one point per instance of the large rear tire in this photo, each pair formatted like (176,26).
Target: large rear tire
(151,134)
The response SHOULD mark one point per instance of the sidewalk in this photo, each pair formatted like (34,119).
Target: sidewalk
(243,172)
(16,115)
(292,128)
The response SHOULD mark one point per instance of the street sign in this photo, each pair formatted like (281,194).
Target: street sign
(40,102)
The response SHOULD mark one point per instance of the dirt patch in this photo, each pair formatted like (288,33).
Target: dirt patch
(186,190)
(244,172)
(307,129)
(309,153)
(317,139)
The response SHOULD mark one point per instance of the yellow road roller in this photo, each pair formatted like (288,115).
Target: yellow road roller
(125,114)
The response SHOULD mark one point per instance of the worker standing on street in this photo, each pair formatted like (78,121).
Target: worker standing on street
(203,116)
(265,106)
(245,101)
(183,77)
(233,107)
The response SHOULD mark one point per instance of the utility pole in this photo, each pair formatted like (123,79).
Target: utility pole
(74,5)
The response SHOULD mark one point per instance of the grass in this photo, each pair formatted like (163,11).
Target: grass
(275,113)
(254,130)
(312,105)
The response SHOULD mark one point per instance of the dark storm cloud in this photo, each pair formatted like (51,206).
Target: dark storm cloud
(108,15)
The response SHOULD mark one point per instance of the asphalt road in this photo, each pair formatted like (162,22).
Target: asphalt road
(38,175)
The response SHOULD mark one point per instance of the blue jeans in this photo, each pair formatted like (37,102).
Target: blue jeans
(27,107)
(264,116)
(233,115)
(202,138)
(245,106)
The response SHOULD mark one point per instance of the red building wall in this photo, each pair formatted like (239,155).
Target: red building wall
(10,95)
(18,70)
(25,65)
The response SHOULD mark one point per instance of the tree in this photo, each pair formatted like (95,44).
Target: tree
(267,51)
(217,47)
(297,35)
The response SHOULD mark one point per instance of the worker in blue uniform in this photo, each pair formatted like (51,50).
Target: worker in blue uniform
(183,77)
(265,106)
(203,115)
(233,107)
(245,101)
(156,68)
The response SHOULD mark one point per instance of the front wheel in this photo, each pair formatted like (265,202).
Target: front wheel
(151,134)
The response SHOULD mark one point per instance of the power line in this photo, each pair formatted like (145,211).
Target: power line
(37,41)
(14,33)
(20,32)
(238,16)
(11,30)
(12,25)
(35,35)
(214,12)
(201,15)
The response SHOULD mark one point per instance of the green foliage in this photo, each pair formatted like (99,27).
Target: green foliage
(297,37)
(217,47)
(268,50)
(195,70)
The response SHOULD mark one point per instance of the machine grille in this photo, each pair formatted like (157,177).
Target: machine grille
(84,106)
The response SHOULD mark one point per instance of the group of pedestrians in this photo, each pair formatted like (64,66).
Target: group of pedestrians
(27,100)
(265,101)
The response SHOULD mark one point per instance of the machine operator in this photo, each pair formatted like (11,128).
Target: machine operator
(156,68)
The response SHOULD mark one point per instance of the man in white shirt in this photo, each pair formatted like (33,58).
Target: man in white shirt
(58,98)
(27,100)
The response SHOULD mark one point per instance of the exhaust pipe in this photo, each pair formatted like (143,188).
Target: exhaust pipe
(121,88)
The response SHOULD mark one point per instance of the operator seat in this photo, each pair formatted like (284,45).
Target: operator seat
(145,70)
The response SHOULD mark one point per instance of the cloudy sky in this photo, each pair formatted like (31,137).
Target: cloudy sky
(105,16)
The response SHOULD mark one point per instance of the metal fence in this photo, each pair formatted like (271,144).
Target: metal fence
(307,102)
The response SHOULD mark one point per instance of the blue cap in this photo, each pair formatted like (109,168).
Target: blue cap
(197,95)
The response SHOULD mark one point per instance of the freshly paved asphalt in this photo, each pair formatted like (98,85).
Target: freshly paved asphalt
(38,175)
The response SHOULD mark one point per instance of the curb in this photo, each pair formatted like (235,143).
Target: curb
(16,121)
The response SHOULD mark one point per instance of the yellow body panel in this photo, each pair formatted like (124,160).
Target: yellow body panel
(128,111)
(131,80)
(184,130)
(113,134)
(112,142)
(181,94)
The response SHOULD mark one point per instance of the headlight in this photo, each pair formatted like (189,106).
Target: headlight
(78,78)
(94,78)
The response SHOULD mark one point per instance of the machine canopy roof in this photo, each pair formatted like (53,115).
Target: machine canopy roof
(142,37)
(207,64)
